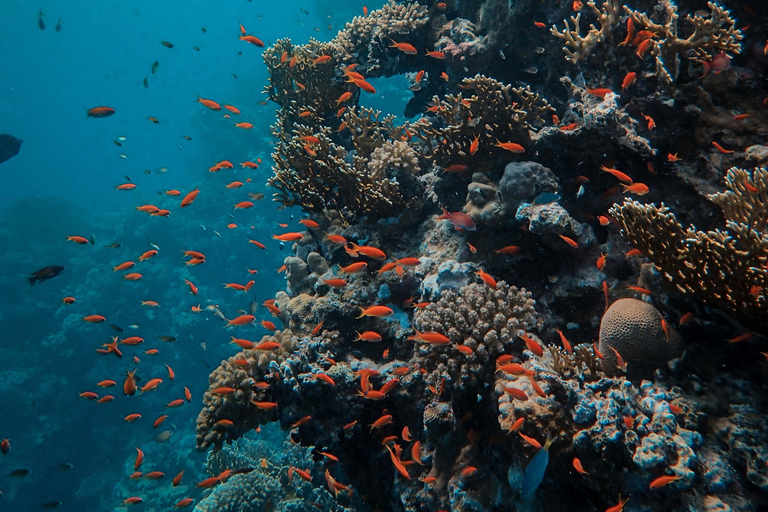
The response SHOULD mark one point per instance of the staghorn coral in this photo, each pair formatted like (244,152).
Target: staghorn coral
(634,329)
(368,131)
(494,111)
(721,267)
(716,32)
(578,47)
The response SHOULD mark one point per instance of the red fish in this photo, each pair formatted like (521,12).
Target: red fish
(459,219)
(100,112)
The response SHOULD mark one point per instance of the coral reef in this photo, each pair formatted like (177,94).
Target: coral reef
(720,268)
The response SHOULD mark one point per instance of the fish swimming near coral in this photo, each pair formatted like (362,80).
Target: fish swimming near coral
(9,147)
(534,472)
(45,273)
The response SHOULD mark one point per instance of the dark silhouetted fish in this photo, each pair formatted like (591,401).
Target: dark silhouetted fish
(167,339)
(9,147)
(45,273)
(18,473)
(58,29)
(51,504)
(116,327)
(40,21)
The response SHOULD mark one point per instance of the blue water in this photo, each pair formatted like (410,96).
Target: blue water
(62,183)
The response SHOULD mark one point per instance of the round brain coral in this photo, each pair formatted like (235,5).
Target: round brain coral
(634,329)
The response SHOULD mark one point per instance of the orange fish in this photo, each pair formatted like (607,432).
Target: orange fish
(184,502)
(566,344)
(578,467)
(517,425)
(133,500)
(514,392)
(406,48)
(510,249)
(639,189)
(619,507)
(192,287)
(539,24)
(510,146)
(487,279)
(651,123)
(68,300)
(532,345)
(189,198)
(288,237)
(132,417)
(264,406)
(253,40)
(126,186)
(209,103)
(435,338)
(620,363)
(617,173)
(376,311)
(78,239)
(241,320)
(600,262)
(354,267)
(371,252)
(721,148)
(533,442)
(368,336)
(600,93)
(629,79)
(436,55)
(569,241)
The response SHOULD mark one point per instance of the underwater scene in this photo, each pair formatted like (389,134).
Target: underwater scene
(401,256)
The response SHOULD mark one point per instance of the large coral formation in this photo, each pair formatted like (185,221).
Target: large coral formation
(715,32)
(721,268)
(494,112)
(638,332)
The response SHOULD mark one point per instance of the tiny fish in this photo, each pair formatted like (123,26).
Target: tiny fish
(40,21)
(18,473)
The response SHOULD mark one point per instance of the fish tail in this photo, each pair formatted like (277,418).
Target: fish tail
(32,280)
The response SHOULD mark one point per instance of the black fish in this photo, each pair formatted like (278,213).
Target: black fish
(167,339)
(58,29)
(154,66)
(9,147)
(40,22)
(116,327)
(242,471)
(51,504)
(146,82)
(45,273)
(18,473)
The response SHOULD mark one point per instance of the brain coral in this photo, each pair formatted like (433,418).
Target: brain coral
(634,329)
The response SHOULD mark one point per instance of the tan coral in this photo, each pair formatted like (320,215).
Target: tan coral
(721,268)
(578,47)
(493,112)
(634,329)
(716,32)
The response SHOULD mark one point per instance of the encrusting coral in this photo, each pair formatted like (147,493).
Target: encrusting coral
(720,268)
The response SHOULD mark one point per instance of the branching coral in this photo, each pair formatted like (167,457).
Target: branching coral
(368,131)
(323,177)
(721,268)
(366,39)
(715,32)
(494,112)
(578,47)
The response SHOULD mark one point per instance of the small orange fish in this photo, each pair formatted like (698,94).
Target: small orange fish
(132,417)
(721,148)
(209,103)
(664,480)
(673,157)
(569,241)
(619,507)
(566,344)
(253,40)
(639,189)
(617,173)
(687,317)
(742,337)
(620,363)
(436,55)
(512,147)
(599,92)
(533,442)
(601,262)
(578,467)
(487,278)
(406,48)
(509,249)
(650,121)
(629,79)
(539,24)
